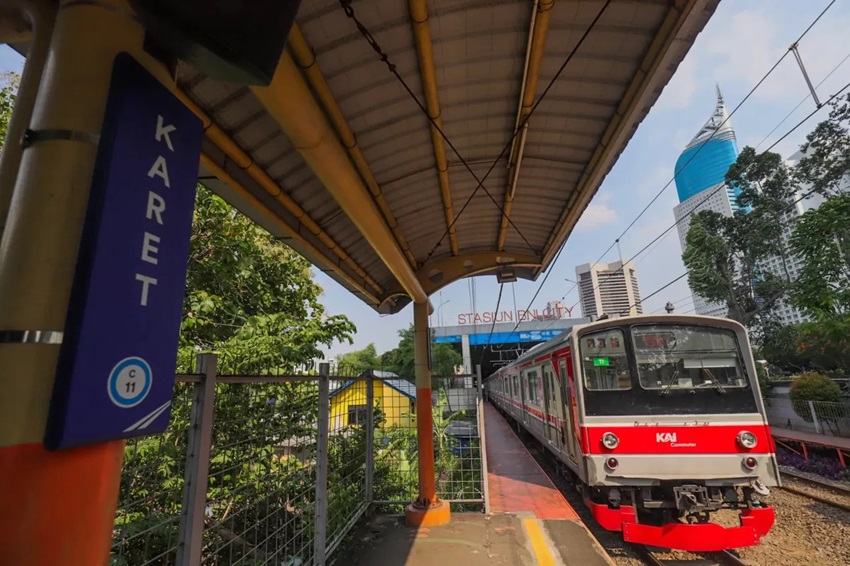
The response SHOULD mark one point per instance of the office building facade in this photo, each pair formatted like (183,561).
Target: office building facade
(700,174)
(608,288)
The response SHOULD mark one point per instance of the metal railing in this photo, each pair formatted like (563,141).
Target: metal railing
(277,470)
(458,454)
(819,417)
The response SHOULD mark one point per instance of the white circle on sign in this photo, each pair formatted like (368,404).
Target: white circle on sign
(129,382)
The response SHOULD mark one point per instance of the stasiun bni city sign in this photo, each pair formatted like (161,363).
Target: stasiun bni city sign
(547,313)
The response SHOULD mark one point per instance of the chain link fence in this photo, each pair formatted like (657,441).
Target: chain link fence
(276,469)
(819,417)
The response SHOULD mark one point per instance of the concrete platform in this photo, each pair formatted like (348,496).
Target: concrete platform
(530,524)
(474,539)
(515,480)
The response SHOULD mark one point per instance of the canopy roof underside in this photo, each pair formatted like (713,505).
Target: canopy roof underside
(338,160)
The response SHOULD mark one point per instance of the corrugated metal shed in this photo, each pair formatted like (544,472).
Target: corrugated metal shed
(389,379)
(340,161)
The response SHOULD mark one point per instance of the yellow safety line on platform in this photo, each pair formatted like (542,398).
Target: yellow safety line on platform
(538,543)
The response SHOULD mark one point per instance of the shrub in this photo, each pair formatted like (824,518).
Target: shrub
(827,397)
(815,387)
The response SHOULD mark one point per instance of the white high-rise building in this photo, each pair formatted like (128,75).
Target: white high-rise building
(608,288)
(787,313)
(718,202)
(700,174)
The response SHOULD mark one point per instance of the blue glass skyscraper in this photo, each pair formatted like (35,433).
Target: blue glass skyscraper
(705,160)
(700,176)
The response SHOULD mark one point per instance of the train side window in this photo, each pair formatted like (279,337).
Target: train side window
(604,362)
(532,380)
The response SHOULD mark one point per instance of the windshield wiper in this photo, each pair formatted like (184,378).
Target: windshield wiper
(715,381)
(673,380)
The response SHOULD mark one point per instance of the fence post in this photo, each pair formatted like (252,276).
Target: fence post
(814,417)
(323,426)
(482,441)
(197,464)
(370,438)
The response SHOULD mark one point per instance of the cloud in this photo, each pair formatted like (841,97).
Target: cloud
(596,215)
(679,92)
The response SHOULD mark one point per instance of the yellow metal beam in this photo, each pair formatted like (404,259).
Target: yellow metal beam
(216,135)
(289,101)
(436,274)
(306,59)
(422,34)
(537,41)
(244,193)
(616,131)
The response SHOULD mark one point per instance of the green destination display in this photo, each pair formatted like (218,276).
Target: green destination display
(601,362)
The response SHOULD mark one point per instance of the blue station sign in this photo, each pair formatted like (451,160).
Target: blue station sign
(115,377)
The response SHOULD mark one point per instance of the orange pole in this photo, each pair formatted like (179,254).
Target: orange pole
(56,507)
(427,510)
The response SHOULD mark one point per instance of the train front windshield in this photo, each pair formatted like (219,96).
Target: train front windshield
(658,369)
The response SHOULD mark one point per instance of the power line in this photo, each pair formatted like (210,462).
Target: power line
(684,301)
(711,194)
(701,146)
(685,274)
(805,98)
(789,208)
(492,326)
(724,185)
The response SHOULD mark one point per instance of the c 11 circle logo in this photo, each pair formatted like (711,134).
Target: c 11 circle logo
(129,382)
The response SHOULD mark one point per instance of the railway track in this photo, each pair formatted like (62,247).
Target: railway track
(723,558)
(819,485)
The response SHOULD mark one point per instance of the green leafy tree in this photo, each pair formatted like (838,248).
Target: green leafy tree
(249,297)
(358,361)
(782,347)
(8,92)
(252,300)
(826,395)
(401,359)
(822,240)
(826,159)
(724,256)
(826,342)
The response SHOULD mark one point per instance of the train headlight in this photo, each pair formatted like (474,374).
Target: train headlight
(610,440)
(747,439)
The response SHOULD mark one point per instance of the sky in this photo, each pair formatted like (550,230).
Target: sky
(738,46)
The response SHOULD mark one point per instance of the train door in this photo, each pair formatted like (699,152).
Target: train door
(550,428)
(523,397)
(516,408)
(568,423)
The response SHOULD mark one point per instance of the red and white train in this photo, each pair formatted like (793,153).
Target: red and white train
(660,421)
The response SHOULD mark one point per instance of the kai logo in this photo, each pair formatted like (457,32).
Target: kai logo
(665,437)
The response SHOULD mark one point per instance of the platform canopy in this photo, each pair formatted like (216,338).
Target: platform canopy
(341,162)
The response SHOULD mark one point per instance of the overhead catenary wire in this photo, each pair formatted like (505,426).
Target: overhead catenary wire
(492,326)
(790,206)
(349,11)
(710,195)
(805,98)
(700,147)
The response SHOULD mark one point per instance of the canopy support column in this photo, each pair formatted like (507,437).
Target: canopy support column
(57,507)
(427,510)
